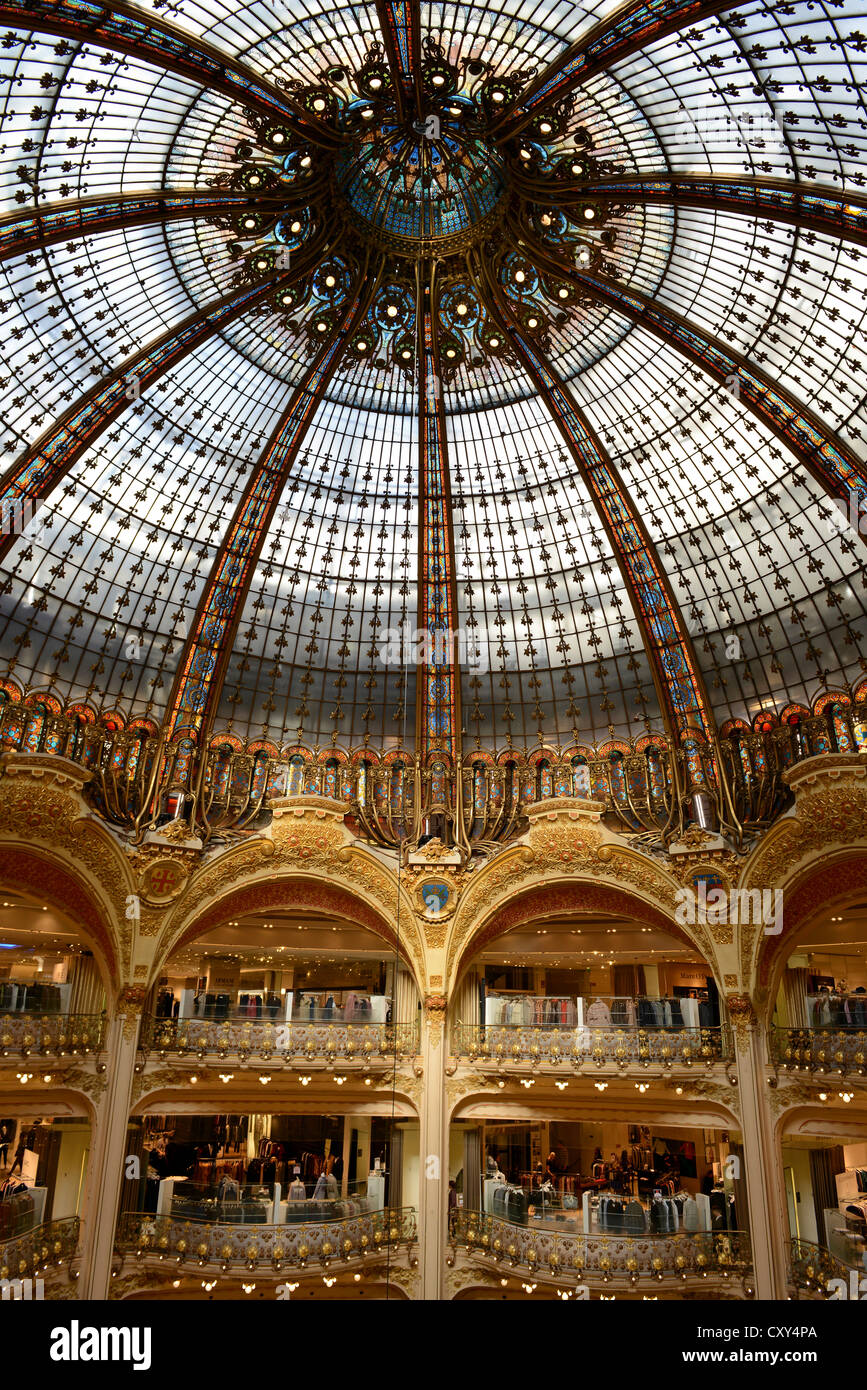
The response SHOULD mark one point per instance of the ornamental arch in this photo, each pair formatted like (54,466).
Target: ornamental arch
(42,878)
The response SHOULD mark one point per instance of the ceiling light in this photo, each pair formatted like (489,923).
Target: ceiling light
(589,214)
(331,281)
(520,276)
(375,83)
(438,79)
(498,96)
(319,104)
(278,137)
(601,1085)
(462,309)
(532,323)
(546,127)
(495,342)
(264,1079)
(294,227)
(306,161)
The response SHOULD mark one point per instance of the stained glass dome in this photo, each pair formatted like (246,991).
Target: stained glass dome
(445,377)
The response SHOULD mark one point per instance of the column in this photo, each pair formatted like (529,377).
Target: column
(107,1168)
(433,1153)
(768,1223)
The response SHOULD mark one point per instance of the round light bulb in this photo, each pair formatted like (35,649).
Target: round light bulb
(450,352)
(438,80)
(391,310)
(375,83)
(362,345)
(563,293)
(520,276)
(462,309)
(330,281)
(278,137)
(589,214)
(546,127)
(532,323)
(296,227)
(322,327)
(495,342)
(306,161)
(319,104)
(498,97)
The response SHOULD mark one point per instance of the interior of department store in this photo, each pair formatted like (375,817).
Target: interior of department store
(586,978)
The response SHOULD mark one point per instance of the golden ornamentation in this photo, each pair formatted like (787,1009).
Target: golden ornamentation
(163,880)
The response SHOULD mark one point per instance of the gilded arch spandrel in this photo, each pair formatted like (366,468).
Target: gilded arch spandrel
(306,846)
(47,827)
(814,850)
(562,851)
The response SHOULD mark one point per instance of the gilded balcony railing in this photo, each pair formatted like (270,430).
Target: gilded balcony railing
(601,1258)
(820,1051)
(34,1254)
(584,1047)
(143,778)
(23,1034)
(816,1271)
(310,1042)
(234,1248)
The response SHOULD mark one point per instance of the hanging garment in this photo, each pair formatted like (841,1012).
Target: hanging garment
(598,1015)
(690,1214)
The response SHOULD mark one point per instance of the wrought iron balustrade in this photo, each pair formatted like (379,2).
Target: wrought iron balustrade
(261,1247)
(813,1266)
(348,1042)
(35,1253)
(22,1034)
(600,1258)
(820,1051)
(589,1047)
(141,778)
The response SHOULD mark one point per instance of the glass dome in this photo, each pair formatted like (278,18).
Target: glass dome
(609,440)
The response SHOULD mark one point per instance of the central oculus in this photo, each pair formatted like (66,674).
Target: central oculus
(425,184)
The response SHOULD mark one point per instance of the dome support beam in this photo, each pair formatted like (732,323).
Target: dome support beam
(780,200)
(680,687)
(438,719)
(632,27)
(202,667)
(44,465)
(122,28)
(831,462)
(401,32)
(41,227)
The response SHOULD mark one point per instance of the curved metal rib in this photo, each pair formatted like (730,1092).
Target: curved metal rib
(30,231)
(48,461)
(202,666)
(779,200)
(631,28)
(677,676)
(124,28)
(831,462)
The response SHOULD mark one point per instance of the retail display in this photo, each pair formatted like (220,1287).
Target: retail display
(39,998)
(830,1009)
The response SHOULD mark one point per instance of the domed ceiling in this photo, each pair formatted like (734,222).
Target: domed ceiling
(454,376)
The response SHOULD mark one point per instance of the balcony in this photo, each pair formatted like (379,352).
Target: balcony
(813,1270)
(346,1243)
(607,1050)
(821,1052)
(50,1035)
(364,1045)
(627,1262)
(40,1254)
